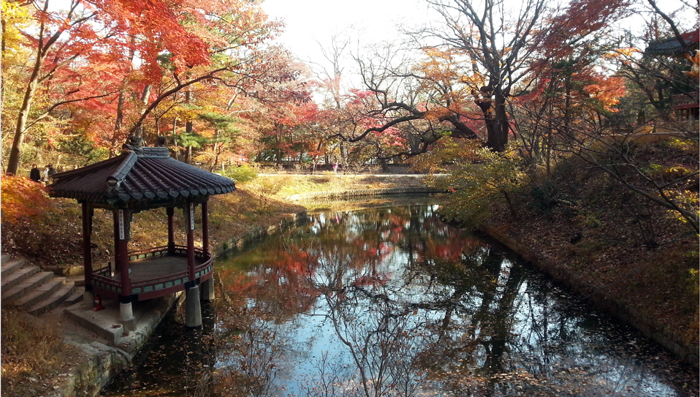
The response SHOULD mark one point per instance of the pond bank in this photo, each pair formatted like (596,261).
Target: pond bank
(102,361)
(112,361)
(534,334)
(603,298)
(362,193)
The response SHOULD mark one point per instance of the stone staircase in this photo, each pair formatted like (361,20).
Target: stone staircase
(26,286)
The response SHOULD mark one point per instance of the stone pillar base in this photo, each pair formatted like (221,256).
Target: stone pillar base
(126,315)
(193,308)
(208,290)
(88,300)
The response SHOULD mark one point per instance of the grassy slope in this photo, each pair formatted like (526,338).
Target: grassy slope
(632,256)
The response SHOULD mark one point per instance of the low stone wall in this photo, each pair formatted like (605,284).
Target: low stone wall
(103,362)
(671,340)
(362,193)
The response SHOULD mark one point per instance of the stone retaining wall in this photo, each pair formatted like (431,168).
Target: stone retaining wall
(103,362)
(239,243)
(101,365)
(669,338)
(362,193)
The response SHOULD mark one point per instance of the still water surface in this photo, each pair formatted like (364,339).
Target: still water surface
(394,302)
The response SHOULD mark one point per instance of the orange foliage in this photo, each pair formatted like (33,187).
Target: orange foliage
(22,198)
(437,113)
(608,91)
(695,61)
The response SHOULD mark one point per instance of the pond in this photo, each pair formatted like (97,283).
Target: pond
(391,301)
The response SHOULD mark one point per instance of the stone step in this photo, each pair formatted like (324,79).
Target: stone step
(39,293)
(5,258)
(96,322)
(11,266)
(16,277)
(79,281)
(26,286)
(53,300)
(77,295)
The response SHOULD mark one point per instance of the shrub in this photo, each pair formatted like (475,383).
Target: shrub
(491,178)
(36,226)
(544,197)
(242,174)
(23,200)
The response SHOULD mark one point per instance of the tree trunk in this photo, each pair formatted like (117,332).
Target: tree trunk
(2,80)
(497,122)
(13,162)
(217,151)
(42,51)
(119,121)
(278,151)
(138,132)
(117,135)
(495,119)
(174,142)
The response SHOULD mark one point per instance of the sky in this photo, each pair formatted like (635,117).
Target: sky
(310,22)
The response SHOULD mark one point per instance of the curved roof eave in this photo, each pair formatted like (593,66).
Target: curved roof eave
(136,177)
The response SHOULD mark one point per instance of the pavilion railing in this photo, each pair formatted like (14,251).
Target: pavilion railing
(104,275)
(681,100)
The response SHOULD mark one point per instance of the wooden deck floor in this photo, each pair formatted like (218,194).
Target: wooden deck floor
(152,268)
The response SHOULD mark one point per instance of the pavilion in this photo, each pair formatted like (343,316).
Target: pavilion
(686,105)
(142,179)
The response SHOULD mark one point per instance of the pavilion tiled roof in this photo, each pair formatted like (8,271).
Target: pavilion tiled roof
(672,46)
(147,173)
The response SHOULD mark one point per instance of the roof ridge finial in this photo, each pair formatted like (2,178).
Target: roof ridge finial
(133,144)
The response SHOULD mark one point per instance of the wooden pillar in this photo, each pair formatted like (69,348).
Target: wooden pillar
(121,222)
(205,227)
(88,296)
(193,309)
(171,231)
(189,209)
(116,241)
(207,287)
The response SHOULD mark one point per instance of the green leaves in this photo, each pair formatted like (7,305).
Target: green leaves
(490,178)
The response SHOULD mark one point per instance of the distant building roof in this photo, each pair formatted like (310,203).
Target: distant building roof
(137,178)
(672,46)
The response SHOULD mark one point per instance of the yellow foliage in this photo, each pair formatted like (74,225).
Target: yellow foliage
(622,53)
(448,153)
(477,185)
(14,17)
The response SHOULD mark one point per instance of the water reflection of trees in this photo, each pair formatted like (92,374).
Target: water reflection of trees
(384,314)
(375,328)
(418,309)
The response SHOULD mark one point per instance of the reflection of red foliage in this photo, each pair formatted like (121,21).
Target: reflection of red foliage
(279,289)
(281,285)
